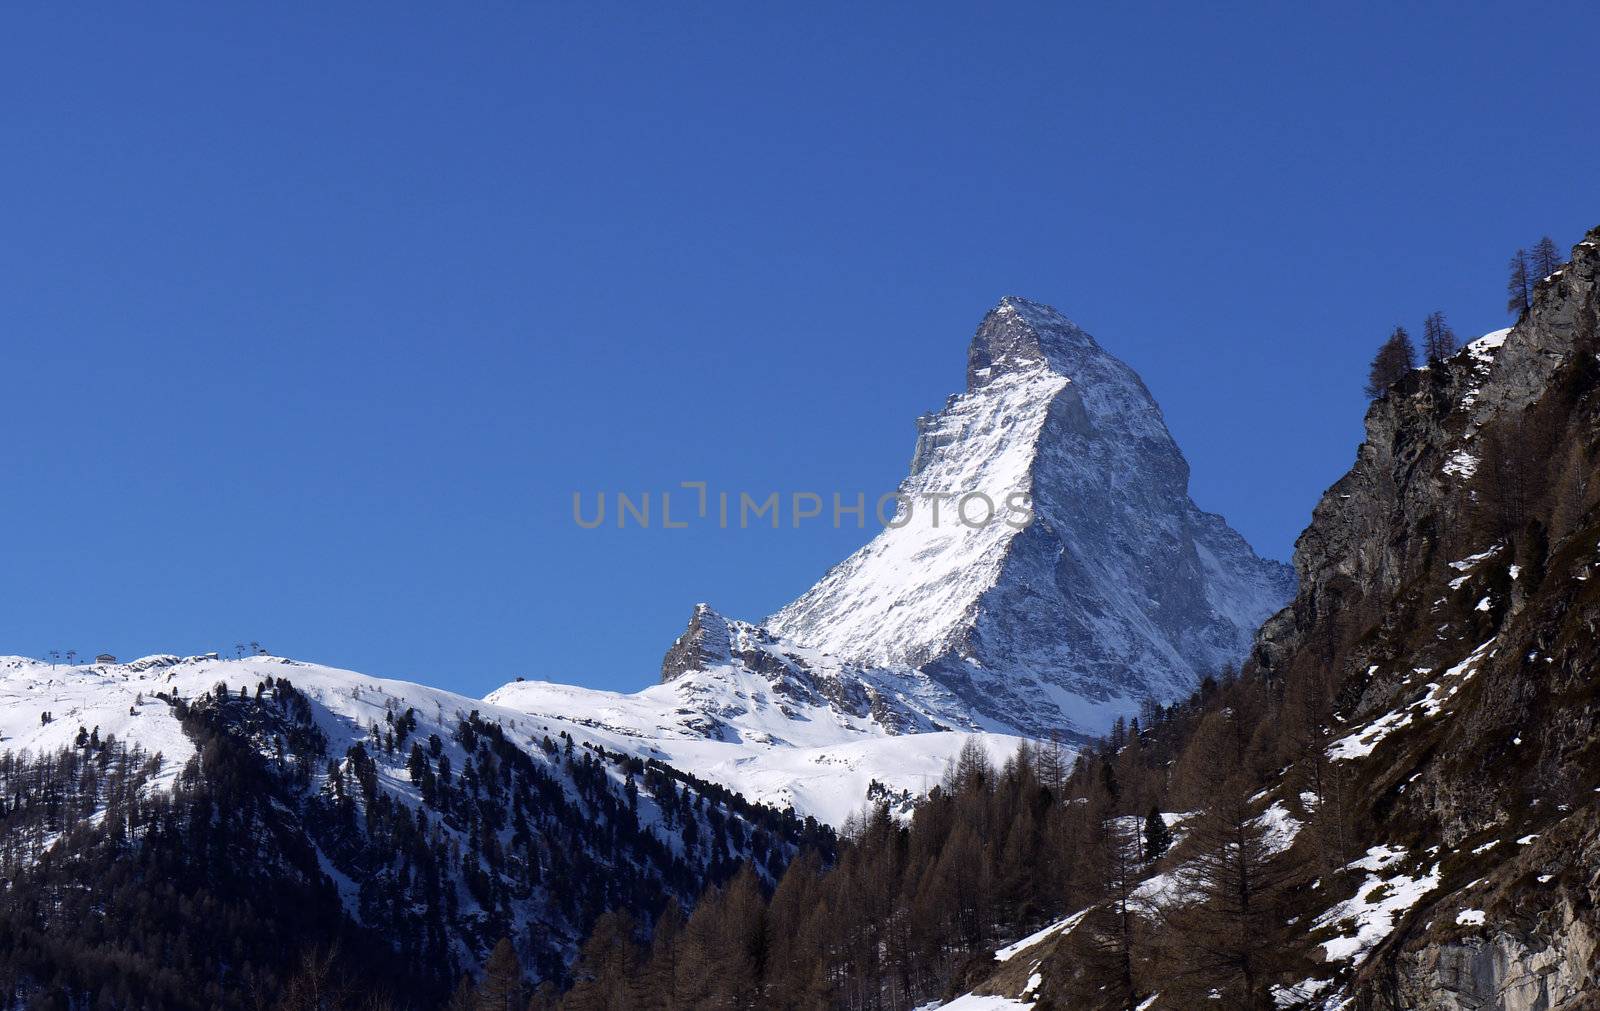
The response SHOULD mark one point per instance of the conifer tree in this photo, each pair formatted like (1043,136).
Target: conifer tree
(1130,773)
(743,939)
(961,883)
(1110,926)
(1016,882)
(1519,285)
(501,989)
(1229,935)
(465,996)
(1051,763)
(1332,822)
(1395,358)
(970,769)
(1108,780)
(606,967)
(658,975)
(1157,837)
(798,920)
(1438,340)
(1545,259)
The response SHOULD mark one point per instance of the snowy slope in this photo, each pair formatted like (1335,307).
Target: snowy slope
(777,722)
(120,699)
(810,738)
(907,596)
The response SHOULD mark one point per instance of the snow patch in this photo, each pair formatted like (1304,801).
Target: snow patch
(1059,927)
(1280,826)
(1461,464)
(1367,918)
(1473,561)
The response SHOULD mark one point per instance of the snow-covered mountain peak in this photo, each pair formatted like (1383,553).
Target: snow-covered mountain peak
(1119,588)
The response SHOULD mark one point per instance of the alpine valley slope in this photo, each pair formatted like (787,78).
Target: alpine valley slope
(1120,589)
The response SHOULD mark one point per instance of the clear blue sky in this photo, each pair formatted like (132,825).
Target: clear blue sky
(313,320)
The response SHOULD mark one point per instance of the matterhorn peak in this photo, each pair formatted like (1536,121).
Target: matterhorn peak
(1021,334)
(1118,589)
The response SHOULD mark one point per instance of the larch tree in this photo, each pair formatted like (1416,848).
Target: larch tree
(1100,954)
(1545,259)
(1519,285)
(501,989)
(465,996)
(1333,821)
(962,883)
(1228,935)
(970,769)
(658,975)
(1438,340)
(1112,924)
(1051,760)
(1015,882)
(607,966)
(797,920)
(1394,359)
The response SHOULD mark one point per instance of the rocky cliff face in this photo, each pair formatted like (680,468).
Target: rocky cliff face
(1119,589)
(1450,582)
(1411,492)
(1501,970)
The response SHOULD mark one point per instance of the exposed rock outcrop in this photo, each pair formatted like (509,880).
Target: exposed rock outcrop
(1502,971)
